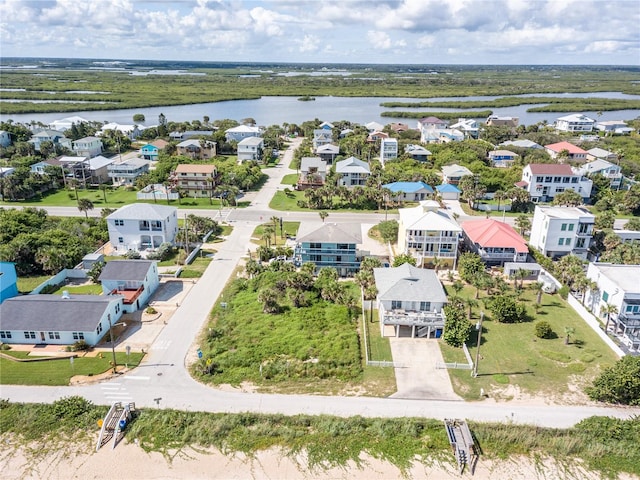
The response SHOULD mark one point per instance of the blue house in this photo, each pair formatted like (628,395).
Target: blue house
(151,150)
(8,281)
(448,191)
(410,191)
(330,245)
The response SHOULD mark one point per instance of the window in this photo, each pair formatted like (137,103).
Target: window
(605,296)
(566,180)
(119,223)
(557,179)
(28,335)
(561,241)
(633,309)
(343,246)
(563,227)
(54,335)
(567,241)
(396,304)
(5,334)
(574,180)
(571,225)
(559,189)
(425,306)
(548,179)
(117,307)
(78,335)
(144,224)
(539,179)
(99,329)
(315,245)
(120,239)
(580,243)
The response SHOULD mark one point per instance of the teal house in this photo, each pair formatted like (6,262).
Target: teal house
(8,281)
(330,245)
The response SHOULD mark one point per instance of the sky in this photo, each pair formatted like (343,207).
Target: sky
(558,32)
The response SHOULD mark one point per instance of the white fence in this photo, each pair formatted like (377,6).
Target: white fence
(594,323)
(60,278)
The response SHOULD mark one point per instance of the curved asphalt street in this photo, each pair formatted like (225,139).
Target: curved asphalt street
(162,379)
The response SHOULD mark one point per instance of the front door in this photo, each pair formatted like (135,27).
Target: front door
(42,337)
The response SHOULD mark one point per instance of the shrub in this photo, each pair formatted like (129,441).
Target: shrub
(80,346)
(564,292)
(71,407)
(619,383)
(5,346)
(151,311)
(507,310)
(132,255)
(543,329)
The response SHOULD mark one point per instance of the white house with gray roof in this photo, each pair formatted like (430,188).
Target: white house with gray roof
(58,320)
(619,286)
(142,226)
(410,301)
(352,172)
(250,149)
(134,280)
(126,173)
(605,168)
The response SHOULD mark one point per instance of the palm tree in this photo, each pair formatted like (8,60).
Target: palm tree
(84,205)
(104,187)
(568,332)
(266,234)
(523,223)
(537,287)
(471,303)
(276,220)
(499,196)
(608,309)
(323,214)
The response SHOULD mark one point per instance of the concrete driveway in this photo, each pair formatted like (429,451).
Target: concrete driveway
(416,375)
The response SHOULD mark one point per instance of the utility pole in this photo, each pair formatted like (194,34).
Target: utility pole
(113,344)
(479,328)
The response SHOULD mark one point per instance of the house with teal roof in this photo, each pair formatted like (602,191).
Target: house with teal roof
(410,191)
(8,281)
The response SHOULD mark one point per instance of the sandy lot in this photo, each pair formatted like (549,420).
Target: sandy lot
(128,461)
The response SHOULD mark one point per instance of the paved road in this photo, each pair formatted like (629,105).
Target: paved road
(162,379)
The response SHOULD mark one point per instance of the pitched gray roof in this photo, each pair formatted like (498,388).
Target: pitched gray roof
(143,211)
(330,232)
(317,162)
(125,270)
(409,283)
(52,313)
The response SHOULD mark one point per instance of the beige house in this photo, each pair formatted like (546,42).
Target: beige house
(195,180)
(194,148)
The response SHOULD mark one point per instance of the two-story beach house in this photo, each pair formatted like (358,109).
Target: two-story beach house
(328,152)
(197,180)
(417,152)
(565,151)
(576,122)
(333,245)
(194,148)
(239,133)
(352,172)
(313,173)
(452,174)
(618,286)
(558,231)
(126,173)
(410,302)
(87,147)
(134,280)
(54,136)
(142,226)
(250,149)
(495,242)
(606,169)
(150,151)
(543,181)
(426,232)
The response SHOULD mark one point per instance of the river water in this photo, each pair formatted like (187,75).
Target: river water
(278,110)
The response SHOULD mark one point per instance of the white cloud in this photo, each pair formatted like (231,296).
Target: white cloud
(310,43)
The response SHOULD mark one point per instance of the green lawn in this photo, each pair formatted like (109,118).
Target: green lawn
(379,347)
(511,354)
(27,284)
(199,264)
(116,198)
(289,203)
(290,228)
(59,371)
(90,289)
(290,179)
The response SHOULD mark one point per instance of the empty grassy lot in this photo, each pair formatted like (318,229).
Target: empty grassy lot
(512,356)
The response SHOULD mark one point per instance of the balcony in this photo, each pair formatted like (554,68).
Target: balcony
(130,295)
(411,318)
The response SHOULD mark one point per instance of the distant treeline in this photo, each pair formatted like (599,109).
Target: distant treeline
(440,115)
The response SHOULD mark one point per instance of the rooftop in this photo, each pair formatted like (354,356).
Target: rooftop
(409,283)
(330,232)
(126,270)
(627,277)
(196,168)
(560,146)
(143,211)
(569,213)
(80,313)
(550,169)
(407,187)
(492,233)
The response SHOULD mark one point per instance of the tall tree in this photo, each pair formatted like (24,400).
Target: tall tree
(84,205)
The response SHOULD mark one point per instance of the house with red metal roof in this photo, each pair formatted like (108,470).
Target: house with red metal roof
(563,151)
(494,241)
(544,181)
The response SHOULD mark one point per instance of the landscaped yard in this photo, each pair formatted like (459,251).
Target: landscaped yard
(60,370)
(116,198)
(27,284)
(87,289)
(290,179)
(199,264)
(512,356)
(282,201)
(289,228)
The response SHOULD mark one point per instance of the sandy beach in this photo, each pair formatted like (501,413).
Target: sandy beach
(129,461)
